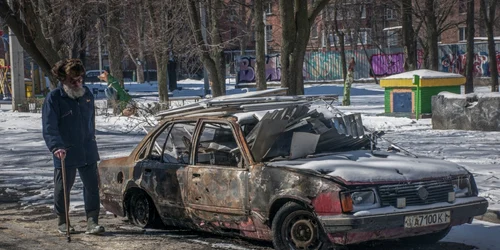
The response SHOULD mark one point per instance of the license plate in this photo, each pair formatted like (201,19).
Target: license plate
(423,220)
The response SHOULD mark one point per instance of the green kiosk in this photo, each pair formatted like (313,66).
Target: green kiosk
(410,93)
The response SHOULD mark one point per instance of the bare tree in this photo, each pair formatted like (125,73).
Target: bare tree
(409,43)
(25,24)
(488,12)
(244,21)
(341,38)
(434,16)
(260,62)
(296,22)
(163,18)
(469,85)
(134,37)
(211,48)
(113,15)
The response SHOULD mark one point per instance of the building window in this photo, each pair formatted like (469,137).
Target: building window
(462,33)
(269,9)
(462,6)
(269,32)
(363,36)
(390,14)
(362,9)
(392,38)
(314,31)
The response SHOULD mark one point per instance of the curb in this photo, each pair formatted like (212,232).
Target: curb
(492,216)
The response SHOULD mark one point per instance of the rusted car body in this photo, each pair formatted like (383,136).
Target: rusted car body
(226,174)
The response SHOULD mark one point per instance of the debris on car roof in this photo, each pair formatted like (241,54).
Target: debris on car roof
(238,103)
(288,127)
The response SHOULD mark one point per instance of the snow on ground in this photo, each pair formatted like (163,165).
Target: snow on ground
(26,168)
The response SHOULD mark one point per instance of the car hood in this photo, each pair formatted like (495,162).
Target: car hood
(380,167)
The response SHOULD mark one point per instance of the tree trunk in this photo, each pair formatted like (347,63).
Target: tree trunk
(141,35)
(296,22)
(410,49)
(432,35)
(469,85)
(303,34)
(114,46)
(288,43)
(219,86)
(139,71)
(340,34)
(162,73)
(489,19)
(260,61)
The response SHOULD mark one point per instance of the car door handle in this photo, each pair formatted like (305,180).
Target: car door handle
(196,175)
(147,171)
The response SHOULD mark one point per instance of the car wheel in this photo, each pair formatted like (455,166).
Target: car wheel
(294,227)
(141,210)
(427,239)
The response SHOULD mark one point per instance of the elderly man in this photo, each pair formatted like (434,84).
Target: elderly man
(68,122)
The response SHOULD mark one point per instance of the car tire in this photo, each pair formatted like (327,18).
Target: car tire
(141,210)
(295,227)
(427,239)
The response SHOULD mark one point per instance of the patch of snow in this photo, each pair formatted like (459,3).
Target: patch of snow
(362,166)
(424,74)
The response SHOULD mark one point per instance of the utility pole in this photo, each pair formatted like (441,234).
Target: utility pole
(16,70)
(203,14)
(265,31)
(99,50)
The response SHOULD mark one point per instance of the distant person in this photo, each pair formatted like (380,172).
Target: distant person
(122,101)
(68,127)
(352,64)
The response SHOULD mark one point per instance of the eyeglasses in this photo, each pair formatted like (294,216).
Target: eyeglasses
(76,80)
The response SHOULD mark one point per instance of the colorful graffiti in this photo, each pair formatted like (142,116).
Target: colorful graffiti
(387,64)
(390,64)
(456,63)
(322,66)
(326,66)
(246,71)
(454,58)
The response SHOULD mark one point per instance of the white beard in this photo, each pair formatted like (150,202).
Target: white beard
(74,93)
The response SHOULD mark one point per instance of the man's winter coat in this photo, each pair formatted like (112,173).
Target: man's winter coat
(70,124)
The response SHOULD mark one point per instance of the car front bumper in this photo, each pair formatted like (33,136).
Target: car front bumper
(388,223)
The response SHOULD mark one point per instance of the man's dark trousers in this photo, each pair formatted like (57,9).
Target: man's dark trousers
(88,175)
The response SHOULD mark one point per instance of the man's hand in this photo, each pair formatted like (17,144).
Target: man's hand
(60,153)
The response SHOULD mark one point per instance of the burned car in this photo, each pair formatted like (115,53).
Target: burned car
(286,170)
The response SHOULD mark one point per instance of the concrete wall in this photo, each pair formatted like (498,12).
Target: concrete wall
(466,112)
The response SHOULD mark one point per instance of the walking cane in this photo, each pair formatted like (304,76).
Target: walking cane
(66,198)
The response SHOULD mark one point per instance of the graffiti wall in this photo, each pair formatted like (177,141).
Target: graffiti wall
(326,66)
(390,64)
(454,57)
(246,72)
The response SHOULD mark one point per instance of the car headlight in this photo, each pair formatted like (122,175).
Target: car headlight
(358,200)
(462,187)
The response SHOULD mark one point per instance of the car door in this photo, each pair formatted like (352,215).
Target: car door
(163,170)
(217,182)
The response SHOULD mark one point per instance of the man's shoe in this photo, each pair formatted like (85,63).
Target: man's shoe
(94,228)
(62,229)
